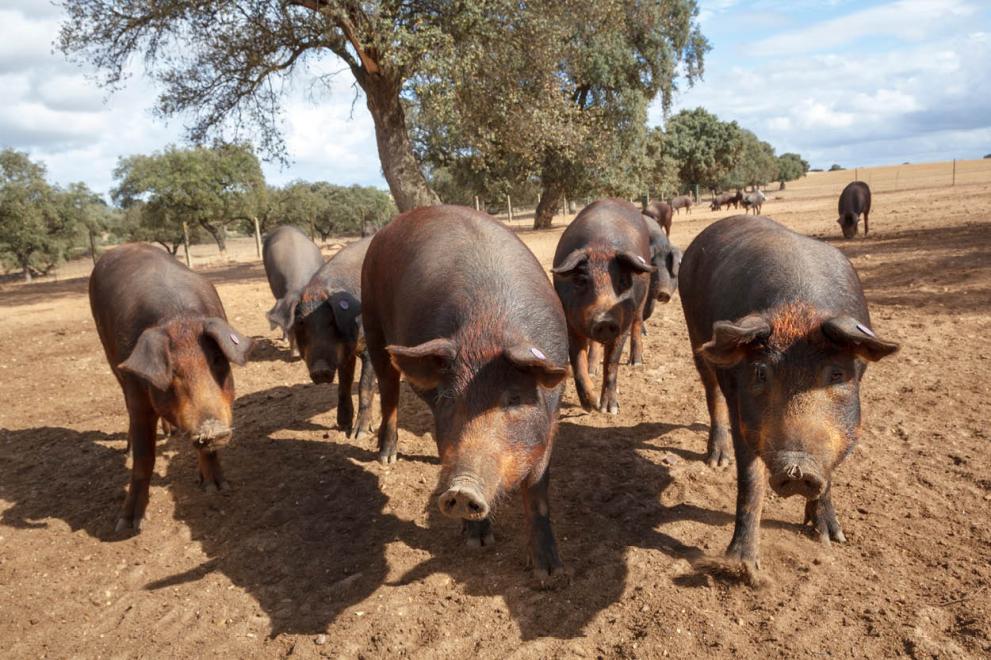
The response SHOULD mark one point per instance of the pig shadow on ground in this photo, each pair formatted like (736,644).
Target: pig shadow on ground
(604,500)
(76,476)
(949,266)
(270,350)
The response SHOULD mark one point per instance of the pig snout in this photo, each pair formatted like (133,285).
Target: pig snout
(605,328)
(797,473)
(464,499)
(322,372)
(664,296)
(211,433)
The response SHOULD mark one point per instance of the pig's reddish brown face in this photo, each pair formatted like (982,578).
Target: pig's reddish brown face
(186,365)
(795,379)
(601,290)
(494,423)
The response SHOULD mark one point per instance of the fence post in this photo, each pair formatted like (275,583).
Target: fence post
(258,238)
(856,174)
(509,205)
(477,206)
(954,172)
(185,243)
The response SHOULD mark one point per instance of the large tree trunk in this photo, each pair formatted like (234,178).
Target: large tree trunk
(550,201)
(27,273)
(399,166)
(219,233)
(92,246)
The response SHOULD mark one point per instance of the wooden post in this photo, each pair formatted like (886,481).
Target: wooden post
(856,174)
(185,243)
(566,209)
(258,238)
(477,206)
(509,205)
(954,182)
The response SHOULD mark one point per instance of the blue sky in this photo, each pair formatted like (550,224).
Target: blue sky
(856,83)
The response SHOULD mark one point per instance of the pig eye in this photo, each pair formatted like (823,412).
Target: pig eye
(580,281)
(836,376)
(625,280)
(760,373)
(513,400)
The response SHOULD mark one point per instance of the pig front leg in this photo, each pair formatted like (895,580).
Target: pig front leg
(211,476)
(141,438)
(544,560)
(751,476)
(478,533)
(718,446)
(389,400)
(366,394)
(594,358)
(636,341)
(608,402)
(578,353)
(345,380)
(821,515)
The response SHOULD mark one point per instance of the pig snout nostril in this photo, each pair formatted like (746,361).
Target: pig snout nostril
(794,472)
(606,330)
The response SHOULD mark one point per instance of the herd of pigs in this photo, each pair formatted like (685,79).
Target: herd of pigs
(455,303)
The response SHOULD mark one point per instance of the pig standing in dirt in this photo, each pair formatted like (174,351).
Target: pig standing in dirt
(781,336)
(459,306)
(682,202)
(855,200)
(601,273)
(290,259)
(324,322)
(661,213)
(168,342)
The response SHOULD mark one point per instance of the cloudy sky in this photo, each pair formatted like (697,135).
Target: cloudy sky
(845,81)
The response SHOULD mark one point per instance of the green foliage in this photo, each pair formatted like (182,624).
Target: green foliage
(755,165)
(791,166)
(87,212)
(327,209)
(211,188)
(836,168)
(35,232)
(705,148)
(662,170)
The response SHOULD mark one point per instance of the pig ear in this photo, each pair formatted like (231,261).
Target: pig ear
(852,335)
(532,360)
(284,312)
(232,343)
(150,360)
(424,365)
(674,261)
(571,262)
(732,339)
(347,314)
(635,262)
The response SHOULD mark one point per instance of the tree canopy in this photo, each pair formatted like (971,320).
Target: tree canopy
(705,148)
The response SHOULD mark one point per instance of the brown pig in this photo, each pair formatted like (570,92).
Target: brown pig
(459,306)
(602,275)
(782,336)
(168,342)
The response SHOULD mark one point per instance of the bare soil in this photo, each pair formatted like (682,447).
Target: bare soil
(319,550)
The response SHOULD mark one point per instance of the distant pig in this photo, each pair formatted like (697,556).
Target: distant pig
(168,342)
(601,274)
(290,259)
(459,306)
(855,201)
(324,322)
(666,258)
(781,336)
(661,213)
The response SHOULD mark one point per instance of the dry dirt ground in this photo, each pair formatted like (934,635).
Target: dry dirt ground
(319,550)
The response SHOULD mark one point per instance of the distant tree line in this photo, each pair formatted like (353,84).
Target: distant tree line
(168,197)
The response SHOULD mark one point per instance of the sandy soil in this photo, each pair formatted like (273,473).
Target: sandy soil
(319,550)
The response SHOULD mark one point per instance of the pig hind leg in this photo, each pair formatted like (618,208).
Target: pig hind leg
(478,533)
(719,444)
(751,475)
(821,515)
(594,358)
(366,393)
(636,340)
(345,407)
(578,349)
(609,402)
(388,377)
(544,559)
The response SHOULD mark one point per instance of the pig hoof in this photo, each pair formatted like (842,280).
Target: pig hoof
(387,457)
(719,450)
(550,577)
(636,363)
(128,525)
(612,408)
(822,519)
(478,533)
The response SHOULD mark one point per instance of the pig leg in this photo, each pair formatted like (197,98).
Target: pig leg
(866,227)
(608,402)
(478,533)
(389,400)
(718,449)
(594,358)
(822,516)
(167,429)
(366,395)
(751,477)
(211,476)
(141,438)
(345,380)
(544,560)
(636,341)
(578,352)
